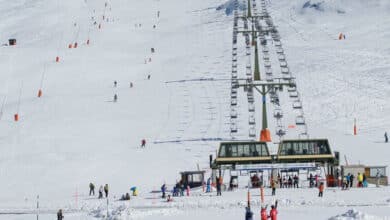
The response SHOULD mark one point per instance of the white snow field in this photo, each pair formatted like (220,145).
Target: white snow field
(75,134)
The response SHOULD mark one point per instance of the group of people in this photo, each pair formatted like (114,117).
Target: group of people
(101,190)
(273,213)
(288,181)
(349,179)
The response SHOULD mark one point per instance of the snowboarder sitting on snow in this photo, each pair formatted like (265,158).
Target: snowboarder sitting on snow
(59,215)
(91,189)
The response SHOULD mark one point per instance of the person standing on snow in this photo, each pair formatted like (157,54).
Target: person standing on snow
(143,143)
(106,190)
(115,98)
(386,138)
(351,177)
(263,213)
(360,180)
(248,214)
(91,189)
(115,83)
(100,192)
(273,186)
(208,185)
(219,182)
(163,190)
(321,190)
(59,215)
(273,213)
(296,180)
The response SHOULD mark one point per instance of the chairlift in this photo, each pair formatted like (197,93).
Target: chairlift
(297,104)
(267,64)
(268,71)
(266,57)
(278,114)
(251,107)
(278,43)
(300,120)
(265,50)
(283,64)
(233,91)
(233,113)
(294,94)
(285,70)
(281,57)
(233,102)
(292,89)
(233,128)
(280,131)
(279,50)
(233,95)
(252,133)
(252,120)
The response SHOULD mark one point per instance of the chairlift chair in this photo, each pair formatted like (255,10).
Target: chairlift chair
(285,70)
(283,64)
(297,104)
(280,132)
(252,133)
(292,89)
(251,107)
(233,102)
(233,113)
(233,128)
(278,114)
(293,94)
(267,64)
(300,120)
(252,120)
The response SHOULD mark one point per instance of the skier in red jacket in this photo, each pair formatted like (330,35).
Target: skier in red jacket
(273,213)
(263,213)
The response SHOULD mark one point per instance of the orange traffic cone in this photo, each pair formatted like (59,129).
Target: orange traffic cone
(16,117)
(39,93)
(57,59)
(265,135)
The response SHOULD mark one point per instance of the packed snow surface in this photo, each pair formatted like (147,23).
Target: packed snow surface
(76,134)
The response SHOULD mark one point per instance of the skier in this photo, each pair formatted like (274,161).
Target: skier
(188,190)
(158,14)
(365,184)
(321,189)
(91,189)
(360,180)
(143,143)
(106,190)
(273,213)
(219,182)
(296,180)
(131,85)
(311,181)
(115,83)
(351,177)
(386,138)
(59,215)
(273,186)
(208,185)
(163,189)
(100,192)
(263,213)
(115,98)
(149,75)
(248,214)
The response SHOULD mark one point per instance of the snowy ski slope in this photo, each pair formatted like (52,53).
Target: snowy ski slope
(75,134)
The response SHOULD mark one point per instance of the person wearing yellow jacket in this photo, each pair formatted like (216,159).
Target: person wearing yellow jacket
(360,179)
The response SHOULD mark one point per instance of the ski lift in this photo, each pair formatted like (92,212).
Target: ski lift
(297,104)
(269,80)
(278,43)
(252,120)
(278,114)
(233,128)
(233,95)
(252,133)
(233,113)
(251,107)
(233,102)
(292,89)
(283,64)
(267,64)
(233,91)
(281,57)
(285,70)
(294,94)
(265,57)
(280,131)
(300,120)
(268,71)
(234,59)
(265,50)
(279,50)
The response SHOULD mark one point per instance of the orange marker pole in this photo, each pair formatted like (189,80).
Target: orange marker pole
(354,127)
(262,194)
